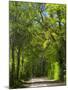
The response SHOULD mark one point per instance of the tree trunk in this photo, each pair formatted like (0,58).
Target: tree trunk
(22,63)
(13,68)
(18,62)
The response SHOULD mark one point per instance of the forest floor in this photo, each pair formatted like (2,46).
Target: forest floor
(42,82)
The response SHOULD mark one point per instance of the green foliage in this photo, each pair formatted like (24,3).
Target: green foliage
(56,71)
(37,41)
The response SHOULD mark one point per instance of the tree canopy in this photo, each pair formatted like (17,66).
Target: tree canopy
(37,41)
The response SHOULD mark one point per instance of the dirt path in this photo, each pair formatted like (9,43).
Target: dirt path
(41,82)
